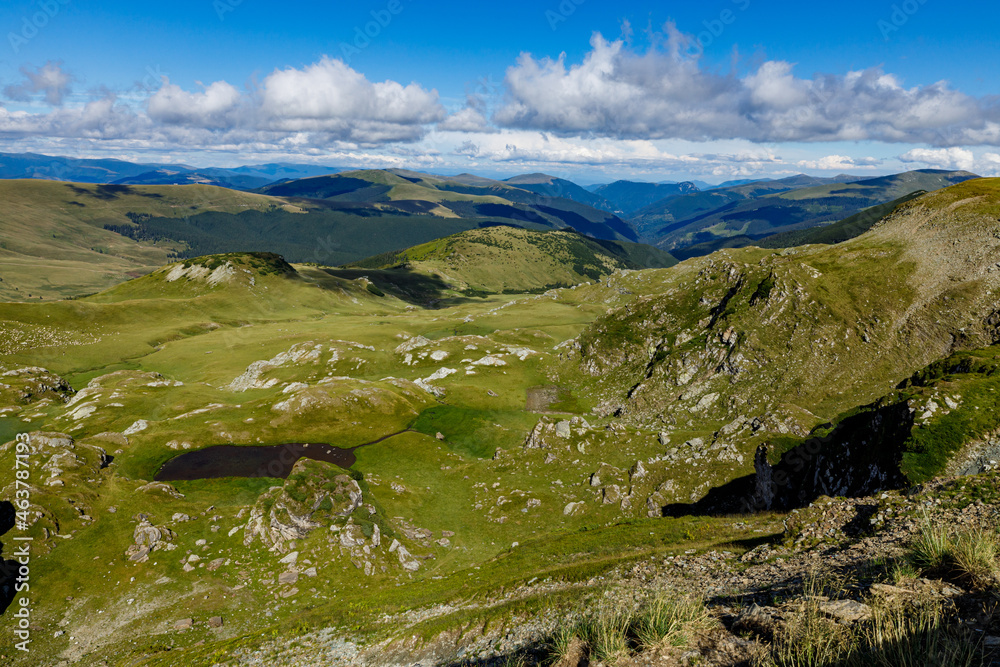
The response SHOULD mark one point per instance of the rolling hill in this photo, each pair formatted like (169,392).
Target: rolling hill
(60,240)
(650,220)
(55,241)
(513,260)
(837,232)
(219,178)
(469,197)
(764,214)
(808,336)
(550,186)
(628,196)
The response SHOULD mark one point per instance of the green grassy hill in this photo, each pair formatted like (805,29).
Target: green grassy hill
(550,186)
(61,240)
(837,232)
(799,208)
(54,242)
(514,453)
(649,221)
(507,259)
(401,191)
(796,338)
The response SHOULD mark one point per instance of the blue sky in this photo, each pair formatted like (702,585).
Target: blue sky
(669,90)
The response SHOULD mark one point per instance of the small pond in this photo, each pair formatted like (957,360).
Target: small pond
(245,461)
(254,460)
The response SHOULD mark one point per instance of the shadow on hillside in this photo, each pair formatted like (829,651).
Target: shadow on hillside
(8,568)
(858,457)
(111,191)
(407,285)
(773,593)
(732,498)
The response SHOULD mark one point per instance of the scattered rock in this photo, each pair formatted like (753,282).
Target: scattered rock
(846,611)
(138,426)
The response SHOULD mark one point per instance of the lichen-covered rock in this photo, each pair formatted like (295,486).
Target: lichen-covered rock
(536,439)
(314,491)
(148,538)
(23,386)
(252,377)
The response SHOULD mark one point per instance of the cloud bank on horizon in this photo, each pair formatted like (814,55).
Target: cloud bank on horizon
(619,108)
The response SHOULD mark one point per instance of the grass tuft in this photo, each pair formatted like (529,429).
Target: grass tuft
(973,557)
(930,548)
(665,621)
(902,635)
(607,634)
(969,558)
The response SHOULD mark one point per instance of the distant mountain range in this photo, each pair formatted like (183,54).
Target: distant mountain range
(76,170)
(403,192)
(686,218)
(629,196)
(761,209)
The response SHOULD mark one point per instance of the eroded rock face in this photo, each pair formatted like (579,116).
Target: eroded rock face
(536,439)
(313,490)
(148,538)
(21,386)
(253,378)
(406,559)
(60,457)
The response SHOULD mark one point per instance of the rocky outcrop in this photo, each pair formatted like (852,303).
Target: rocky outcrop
(979,456)
(314,491)
(252,377)
(148,538)
(22,386)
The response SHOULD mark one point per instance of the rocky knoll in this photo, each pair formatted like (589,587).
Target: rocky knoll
(809,332)
(292,511)
(320,496)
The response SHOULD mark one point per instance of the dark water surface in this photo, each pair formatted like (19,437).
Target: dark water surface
(254,460)
(244,461)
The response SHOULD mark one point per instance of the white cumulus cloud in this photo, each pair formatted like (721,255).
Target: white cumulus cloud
(839,163)
(332,98)
(664,93)
(211,108)
(50,79)
(941,158)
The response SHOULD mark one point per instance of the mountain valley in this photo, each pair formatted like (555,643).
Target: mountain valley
(537,420)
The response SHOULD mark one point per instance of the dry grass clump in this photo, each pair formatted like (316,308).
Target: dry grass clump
(614,633)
